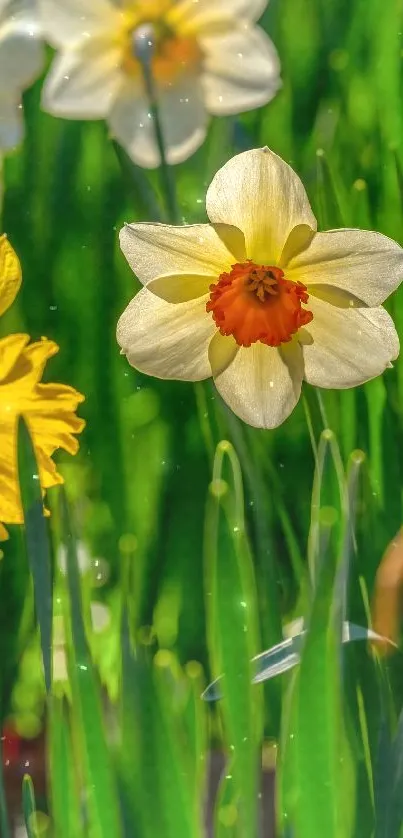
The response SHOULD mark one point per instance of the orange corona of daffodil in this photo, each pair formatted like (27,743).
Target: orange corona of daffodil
(48,409)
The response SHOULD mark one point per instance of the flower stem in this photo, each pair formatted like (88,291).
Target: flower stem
(144,44)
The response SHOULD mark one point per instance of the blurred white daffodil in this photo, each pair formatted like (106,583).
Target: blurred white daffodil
(257,298)
(208,56)
(21,60)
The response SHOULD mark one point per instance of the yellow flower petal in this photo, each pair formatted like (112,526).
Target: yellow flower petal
(49,410)
(261,195)
(3,533)
(10,274)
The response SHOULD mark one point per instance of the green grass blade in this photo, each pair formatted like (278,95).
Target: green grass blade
(175,769)
(136,759)
(38,548)
(64,782)
(320,760)
(331,211)
(103,809)
(195,719)
(5,830)
(232,631)
(29,807)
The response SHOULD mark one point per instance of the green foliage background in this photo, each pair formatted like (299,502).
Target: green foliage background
(138,487)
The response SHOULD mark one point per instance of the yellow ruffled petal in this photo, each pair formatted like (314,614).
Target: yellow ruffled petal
(3,533)
(10,274)
(49,410)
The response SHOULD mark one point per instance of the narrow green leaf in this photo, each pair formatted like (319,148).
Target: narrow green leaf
(103,810)
(175,768)
(38,548)
(331,211)
(5,830)
(63,779)
(196,728)
(376,400)
(137,756)
(232,630)
(145,200)
(320,768)
(29,807)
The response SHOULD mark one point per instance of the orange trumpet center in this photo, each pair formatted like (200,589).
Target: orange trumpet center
(256,303)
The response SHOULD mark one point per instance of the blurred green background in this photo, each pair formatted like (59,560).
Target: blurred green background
(138,487)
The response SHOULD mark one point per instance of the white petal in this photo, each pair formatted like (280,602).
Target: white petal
(71,21)
(21,54)
(350,345)
(11,122)
(213,15)
(155,249)
(23,12)
(365,264)
(183,119)
(262,385)
(241,70)
(82,83)
(260,194)
(167,340)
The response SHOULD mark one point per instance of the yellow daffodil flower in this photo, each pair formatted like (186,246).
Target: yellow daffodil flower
(21,60)
(257,298)
(49,409)
(209,57)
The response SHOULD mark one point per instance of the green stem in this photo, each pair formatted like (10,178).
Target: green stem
(4,823)
(144,48)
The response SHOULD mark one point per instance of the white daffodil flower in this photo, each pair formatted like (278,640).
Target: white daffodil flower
(257,298)
(209,57)
(21,60)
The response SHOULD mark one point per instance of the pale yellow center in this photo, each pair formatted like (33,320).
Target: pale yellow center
(174,54)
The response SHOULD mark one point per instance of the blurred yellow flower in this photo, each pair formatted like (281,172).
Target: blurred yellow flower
(10,275)
(21,60)
(209,58)
(257,298)
(49,409)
